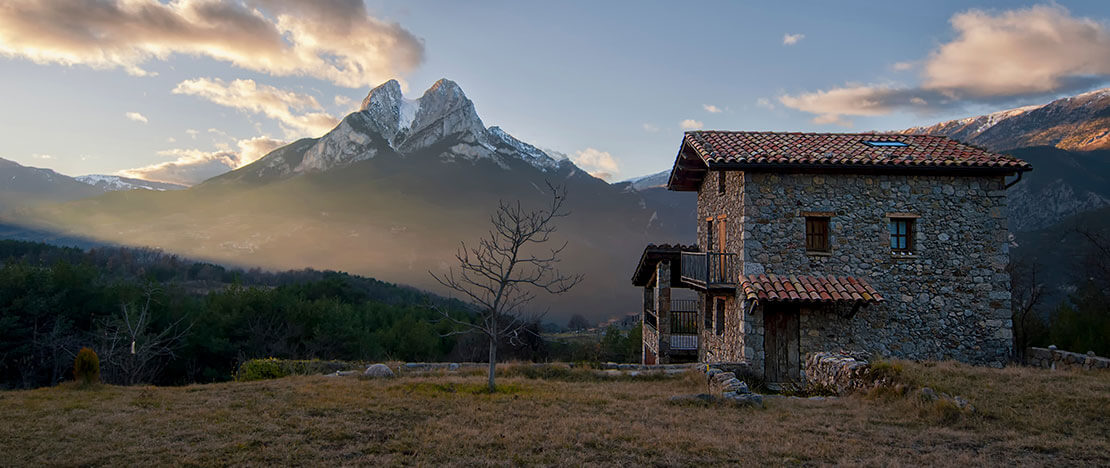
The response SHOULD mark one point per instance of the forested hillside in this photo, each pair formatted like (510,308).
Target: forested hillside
(158,318)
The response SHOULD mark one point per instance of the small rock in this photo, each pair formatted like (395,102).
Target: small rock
(453,366)
(927,394)
(963,404)
(739,388)
(695,397)
(750,399)
(378,370)
(712,372)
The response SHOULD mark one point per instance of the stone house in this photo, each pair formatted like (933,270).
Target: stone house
(890,245)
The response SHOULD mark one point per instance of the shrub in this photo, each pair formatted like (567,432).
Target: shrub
(86,367)
(260,369)
(272,368)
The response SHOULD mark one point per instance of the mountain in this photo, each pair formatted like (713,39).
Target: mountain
(391,192)
(1063,184)
(112,183)
(659,179)
(1065,140)
(21,186)
(1078,123)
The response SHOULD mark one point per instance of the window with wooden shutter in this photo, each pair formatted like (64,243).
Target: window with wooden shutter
(720,328)
(817,234)
(901,236)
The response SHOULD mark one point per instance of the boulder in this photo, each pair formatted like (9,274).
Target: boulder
(749,399)
(378,370)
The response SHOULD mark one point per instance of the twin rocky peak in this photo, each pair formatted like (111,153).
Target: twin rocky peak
(387,122)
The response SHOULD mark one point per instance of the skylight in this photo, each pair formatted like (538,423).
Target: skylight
(884,144)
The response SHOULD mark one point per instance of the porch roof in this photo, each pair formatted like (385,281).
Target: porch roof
(653,254)
(821,289)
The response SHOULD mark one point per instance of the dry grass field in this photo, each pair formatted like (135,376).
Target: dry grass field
(1024,416)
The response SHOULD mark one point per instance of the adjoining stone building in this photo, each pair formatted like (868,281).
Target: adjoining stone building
(892,245)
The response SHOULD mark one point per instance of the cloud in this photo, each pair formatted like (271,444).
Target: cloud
(136,117)
(42,156)
(193,166)
(1025,53)
(1034,50)
(791,39)
(287,107)
(332,40)
(650,128)
(861,100)
(598,163)
(171,140)
(691,124)
(765,103)
(903,66)
(251,149)
(192,133)
(711,108)
(344,102)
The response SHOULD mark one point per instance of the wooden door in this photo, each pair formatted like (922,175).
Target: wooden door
(781,357)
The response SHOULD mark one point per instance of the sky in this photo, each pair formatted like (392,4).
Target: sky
(183,90)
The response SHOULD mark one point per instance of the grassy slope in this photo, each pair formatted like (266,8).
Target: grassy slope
(1025,417)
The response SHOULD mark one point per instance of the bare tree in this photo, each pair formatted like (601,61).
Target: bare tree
(502,274)
(133,350)
(1026,295)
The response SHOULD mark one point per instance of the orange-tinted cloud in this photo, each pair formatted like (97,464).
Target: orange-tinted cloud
(333,40)
(287,107)
(993,58)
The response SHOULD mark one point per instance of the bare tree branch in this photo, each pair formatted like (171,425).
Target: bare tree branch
(501,274)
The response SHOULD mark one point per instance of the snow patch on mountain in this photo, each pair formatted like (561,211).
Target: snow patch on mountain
(407,110)
(111,183)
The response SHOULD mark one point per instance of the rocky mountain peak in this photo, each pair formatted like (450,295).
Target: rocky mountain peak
(384,96)
(388,123)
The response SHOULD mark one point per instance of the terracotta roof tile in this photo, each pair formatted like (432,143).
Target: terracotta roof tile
(842,148)
(771,150)
(808,289)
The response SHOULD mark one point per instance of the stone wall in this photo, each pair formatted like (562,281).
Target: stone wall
(949,300)
(840,373)
(1052,358)
(728,344)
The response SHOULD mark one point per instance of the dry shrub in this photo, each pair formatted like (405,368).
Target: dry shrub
(86,367)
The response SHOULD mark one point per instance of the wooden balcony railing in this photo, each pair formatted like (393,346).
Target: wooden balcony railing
(710,269)
(684,331)
(684,323)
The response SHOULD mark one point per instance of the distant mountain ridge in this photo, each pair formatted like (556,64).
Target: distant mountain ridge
(1077,123)
(391,192)
(114,183)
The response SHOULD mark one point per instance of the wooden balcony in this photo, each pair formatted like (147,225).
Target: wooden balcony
(710,270)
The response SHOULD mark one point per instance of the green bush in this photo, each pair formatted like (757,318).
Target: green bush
(271,368)
(86,367)
(260,369)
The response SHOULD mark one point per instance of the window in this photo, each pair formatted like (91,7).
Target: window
(709,234)
(885,144)
(817,234)
(901,236)
(720,315)
(721,183)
